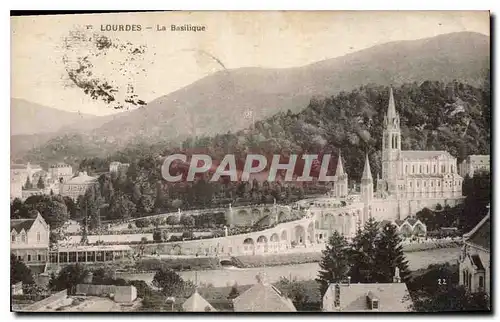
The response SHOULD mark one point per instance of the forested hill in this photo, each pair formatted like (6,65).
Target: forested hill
(434,116)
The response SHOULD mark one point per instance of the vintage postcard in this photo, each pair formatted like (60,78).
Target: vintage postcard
(320,161)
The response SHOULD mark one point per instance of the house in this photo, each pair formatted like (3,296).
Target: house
(368,297)
(196,303)
(29,240)
(263,297)
(474,262)
(78,185)
(474,164)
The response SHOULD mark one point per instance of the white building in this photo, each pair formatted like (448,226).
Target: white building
(473,164)
(29,240)
(61,172)
(77,186)
(474,262)
(368,297)
(115,167)
(411,181)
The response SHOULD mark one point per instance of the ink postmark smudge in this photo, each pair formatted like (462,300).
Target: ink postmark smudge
(103,68)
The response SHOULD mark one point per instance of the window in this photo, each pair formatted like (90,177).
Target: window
(29,258)
(443,168)
(481,281)
(23,237)
(425,182)
(374,304)
(412,169)
(13,239)
(406,169)
(39,258)
(38,236)
(421,169)
(410,184)
(434,168)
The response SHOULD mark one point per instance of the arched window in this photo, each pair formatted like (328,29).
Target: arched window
(421,171)
(434,169)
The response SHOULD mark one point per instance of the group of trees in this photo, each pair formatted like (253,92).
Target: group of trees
(371,257)
(55,209)
(19,272)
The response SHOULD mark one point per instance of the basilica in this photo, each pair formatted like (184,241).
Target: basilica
(410,181)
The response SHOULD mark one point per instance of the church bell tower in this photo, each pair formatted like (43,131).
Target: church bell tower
(391,146)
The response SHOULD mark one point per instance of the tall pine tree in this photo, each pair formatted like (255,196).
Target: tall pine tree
(390,255)
(364,252)
(334,263)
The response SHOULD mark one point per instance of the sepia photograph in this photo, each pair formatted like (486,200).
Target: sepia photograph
(250,161)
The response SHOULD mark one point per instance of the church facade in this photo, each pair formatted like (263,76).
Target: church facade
(410,181)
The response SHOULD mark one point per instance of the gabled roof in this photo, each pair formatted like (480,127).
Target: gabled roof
(196,303)
(480,235)
(392,297)
(263,297)
(424,154)
(476,260)
(19,224)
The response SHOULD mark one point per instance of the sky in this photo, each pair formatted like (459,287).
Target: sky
(174,59)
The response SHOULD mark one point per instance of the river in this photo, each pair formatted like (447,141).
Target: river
(308,271)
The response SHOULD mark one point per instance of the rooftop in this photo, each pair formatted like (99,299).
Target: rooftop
(83,248)
(263,297)
(196,303)
(424,154)
(82,178)
(20,224)
(392,297)
(480,235)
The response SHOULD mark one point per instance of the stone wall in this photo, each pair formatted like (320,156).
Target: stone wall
(121,293)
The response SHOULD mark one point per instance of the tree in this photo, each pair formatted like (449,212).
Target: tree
(453,298)
(187,220)
(364,253)
(389,255)
(121,207)
(68,278)
(40,184)
(19,272)
(71,206)
(28,184)
(173,220)
(234,293)
(294,290)
(157,235)
(334,264)
(170,283)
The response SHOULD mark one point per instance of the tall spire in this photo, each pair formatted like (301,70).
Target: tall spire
(340,167)
(367,173)
(391,110)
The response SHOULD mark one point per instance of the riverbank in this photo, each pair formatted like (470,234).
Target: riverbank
(306,271)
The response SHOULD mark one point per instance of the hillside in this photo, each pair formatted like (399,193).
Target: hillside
(30,118)
(217,103)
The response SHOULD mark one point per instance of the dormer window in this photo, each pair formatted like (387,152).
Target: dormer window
(23,237)
(13,238)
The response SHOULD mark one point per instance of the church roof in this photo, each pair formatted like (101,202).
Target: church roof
(391,109)
(340,167)
(367,173)
(480,235)
(424,154)
(196,303)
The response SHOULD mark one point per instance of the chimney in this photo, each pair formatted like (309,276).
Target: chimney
(348,281)
(396,278)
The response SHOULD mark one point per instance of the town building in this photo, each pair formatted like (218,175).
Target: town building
(61,172)
(19,174)
(263,297)
(474,164)
(196,303)
(368,297)
(89,254)
(77,186)
(474,262)
(116,167)
(29,240)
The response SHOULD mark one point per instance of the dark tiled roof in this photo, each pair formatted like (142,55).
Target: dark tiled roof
(477,261)
(480,235)
(20,224)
